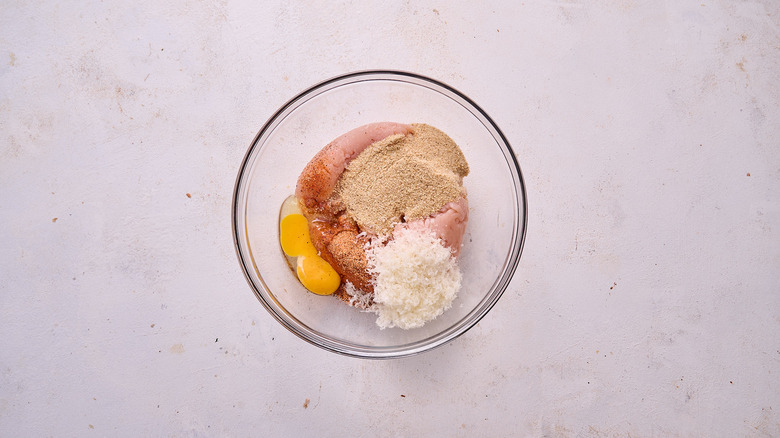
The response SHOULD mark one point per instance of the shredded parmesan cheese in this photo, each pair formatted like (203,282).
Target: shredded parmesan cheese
(357,298)
(417,278)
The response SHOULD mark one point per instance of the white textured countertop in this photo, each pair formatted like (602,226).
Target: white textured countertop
(646,303)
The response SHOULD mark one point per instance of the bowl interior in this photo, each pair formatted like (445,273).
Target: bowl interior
(290,139)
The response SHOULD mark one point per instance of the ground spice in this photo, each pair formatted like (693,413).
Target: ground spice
(402,178)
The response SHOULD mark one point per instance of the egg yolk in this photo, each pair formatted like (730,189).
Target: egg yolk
(314,273)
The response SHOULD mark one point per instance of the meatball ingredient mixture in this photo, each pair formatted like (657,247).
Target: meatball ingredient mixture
(386,208)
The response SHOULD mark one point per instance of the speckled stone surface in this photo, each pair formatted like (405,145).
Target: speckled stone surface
(646,303)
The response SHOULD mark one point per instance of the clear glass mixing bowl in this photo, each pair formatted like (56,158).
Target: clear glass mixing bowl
(497,200)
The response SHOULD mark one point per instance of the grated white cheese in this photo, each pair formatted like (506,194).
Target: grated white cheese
(358,298)
(417,278)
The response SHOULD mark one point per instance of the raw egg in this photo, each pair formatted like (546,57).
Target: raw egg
(314,273)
